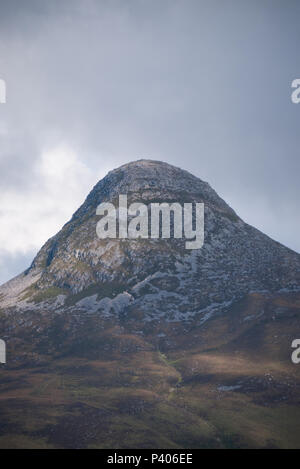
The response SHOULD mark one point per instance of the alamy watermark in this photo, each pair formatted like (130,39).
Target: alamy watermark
(295,96)
(165,219)
(2,351)
(296,353)
(2,91)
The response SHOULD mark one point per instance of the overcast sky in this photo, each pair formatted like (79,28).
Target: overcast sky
(91,85)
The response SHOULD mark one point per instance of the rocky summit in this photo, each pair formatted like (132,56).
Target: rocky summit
(155,345)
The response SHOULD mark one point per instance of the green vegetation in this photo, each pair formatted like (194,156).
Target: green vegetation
(102,290)
(48,293)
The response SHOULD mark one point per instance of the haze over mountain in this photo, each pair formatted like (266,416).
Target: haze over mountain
(155,344)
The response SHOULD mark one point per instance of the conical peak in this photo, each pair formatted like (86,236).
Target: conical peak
(233,252)
(150,166)
(153,180)
(160,171)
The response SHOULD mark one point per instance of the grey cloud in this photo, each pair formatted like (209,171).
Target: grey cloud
(204,85)
(11,265)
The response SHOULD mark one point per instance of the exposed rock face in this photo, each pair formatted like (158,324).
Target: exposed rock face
(162,278)
(87,323)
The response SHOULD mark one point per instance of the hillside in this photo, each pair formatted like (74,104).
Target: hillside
(122,343)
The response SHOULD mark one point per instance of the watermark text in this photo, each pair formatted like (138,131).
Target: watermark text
(296,352)
(2,91)
(156,220)
(295,97)
(2,351)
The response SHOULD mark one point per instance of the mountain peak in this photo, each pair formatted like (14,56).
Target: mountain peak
(152,181)
(235,258)
(110,328)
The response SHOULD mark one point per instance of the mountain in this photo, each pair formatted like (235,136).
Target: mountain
(153,344)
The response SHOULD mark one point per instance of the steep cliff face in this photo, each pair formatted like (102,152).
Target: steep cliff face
(142,336)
